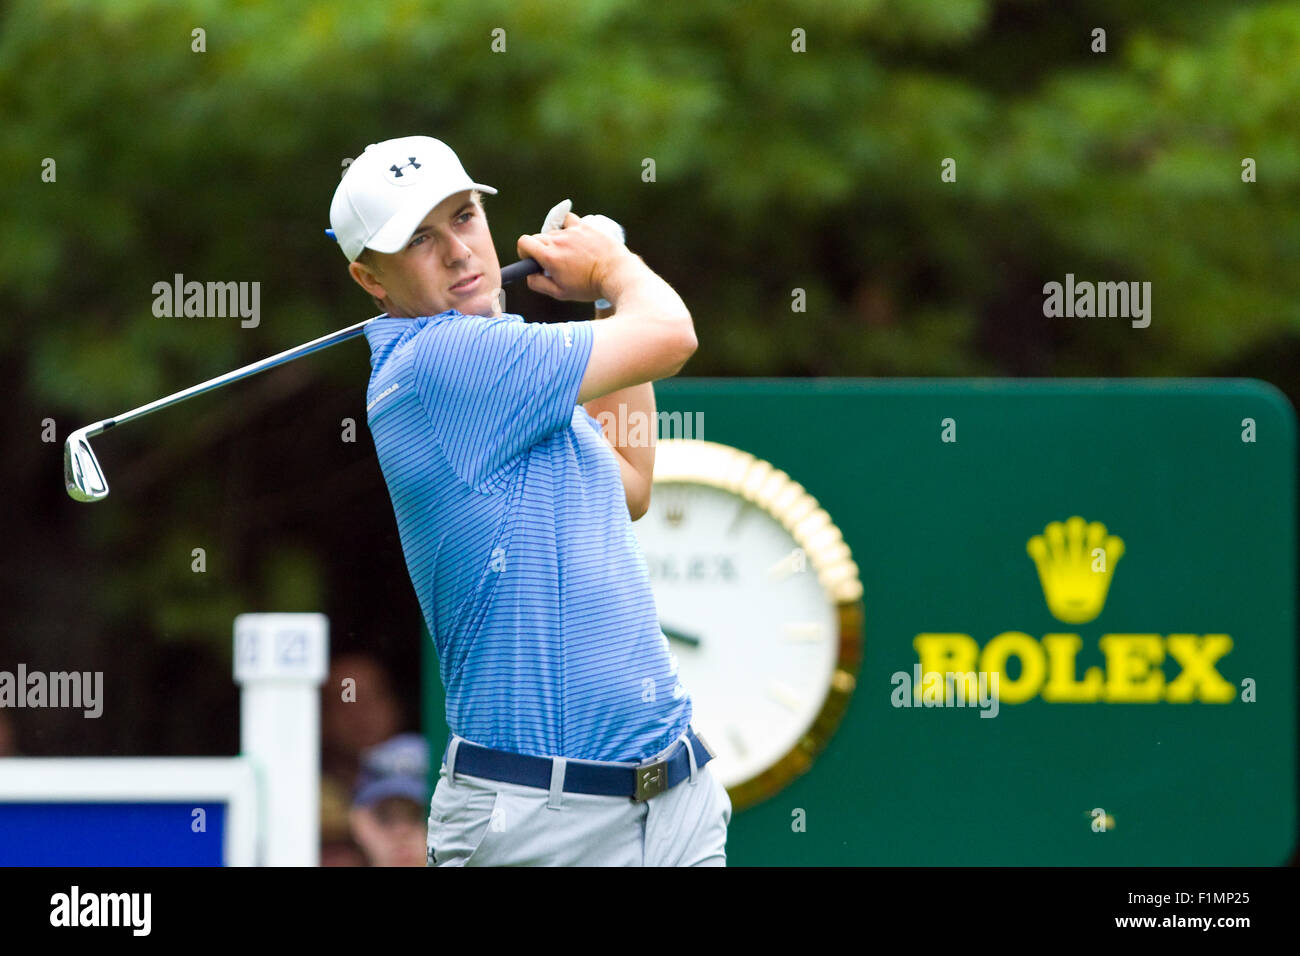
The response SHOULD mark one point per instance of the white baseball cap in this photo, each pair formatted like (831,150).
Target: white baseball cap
(390,188)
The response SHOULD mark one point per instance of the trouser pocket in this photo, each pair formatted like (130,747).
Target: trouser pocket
(460,819)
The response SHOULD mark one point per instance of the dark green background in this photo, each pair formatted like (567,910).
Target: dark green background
(776,171)
(939,531)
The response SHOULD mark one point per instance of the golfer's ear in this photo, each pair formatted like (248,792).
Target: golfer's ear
(365,277)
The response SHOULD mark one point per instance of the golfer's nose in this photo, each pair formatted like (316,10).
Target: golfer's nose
(456,250)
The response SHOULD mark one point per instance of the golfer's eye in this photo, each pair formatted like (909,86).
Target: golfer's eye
(466,216)
(416,241)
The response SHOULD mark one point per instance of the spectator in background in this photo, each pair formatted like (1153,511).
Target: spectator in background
(358,711)
(337,848)
(355,716)
(391,805)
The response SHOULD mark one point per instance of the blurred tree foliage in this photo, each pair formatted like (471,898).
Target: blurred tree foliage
(775,170)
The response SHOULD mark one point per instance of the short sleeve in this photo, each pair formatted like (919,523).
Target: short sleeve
(495,386)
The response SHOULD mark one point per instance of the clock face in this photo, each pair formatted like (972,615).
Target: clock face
(755,635)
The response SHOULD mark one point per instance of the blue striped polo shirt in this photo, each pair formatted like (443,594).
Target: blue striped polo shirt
(514,525)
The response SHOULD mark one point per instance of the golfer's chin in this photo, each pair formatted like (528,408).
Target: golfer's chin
(478,305)
(484,304)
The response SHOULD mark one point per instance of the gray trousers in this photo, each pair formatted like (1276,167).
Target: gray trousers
(474,821)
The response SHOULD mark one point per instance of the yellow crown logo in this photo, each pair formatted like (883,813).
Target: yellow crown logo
(1075,562)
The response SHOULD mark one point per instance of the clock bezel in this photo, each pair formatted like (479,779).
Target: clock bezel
(723,467)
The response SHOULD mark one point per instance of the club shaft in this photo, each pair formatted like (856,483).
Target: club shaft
(509,274)
(324,342)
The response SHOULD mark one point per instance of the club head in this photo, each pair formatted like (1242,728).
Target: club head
(81,472)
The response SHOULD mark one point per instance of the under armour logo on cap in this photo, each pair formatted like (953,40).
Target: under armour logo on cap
(404,174)
(397,170)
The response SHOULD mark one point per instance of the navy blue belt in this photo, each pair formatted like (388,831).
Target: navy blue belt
(640,781)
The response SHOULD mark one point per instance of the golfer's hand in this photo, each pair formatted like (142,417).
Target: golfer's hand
(582,261)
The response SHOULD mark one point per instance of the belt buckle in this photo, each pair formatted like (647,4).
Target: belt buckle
(651,780)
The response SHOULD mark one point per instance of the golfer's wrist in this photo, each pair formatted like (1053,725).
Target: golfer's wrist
(627,271)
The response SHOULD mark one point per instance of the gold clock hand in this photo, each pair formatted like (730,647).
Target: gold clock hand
(675,635)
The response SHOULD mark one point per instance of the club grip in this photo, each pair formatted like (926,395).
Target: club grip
(524,267)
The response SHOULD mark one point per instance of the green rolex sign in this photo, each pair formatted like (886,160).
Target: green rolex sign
(1077,619)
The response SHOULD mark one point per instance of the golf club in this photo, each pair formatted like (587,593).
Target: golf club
(81,471)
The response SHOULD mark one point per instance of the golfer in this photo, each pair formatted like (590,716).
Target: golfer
(571,741)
